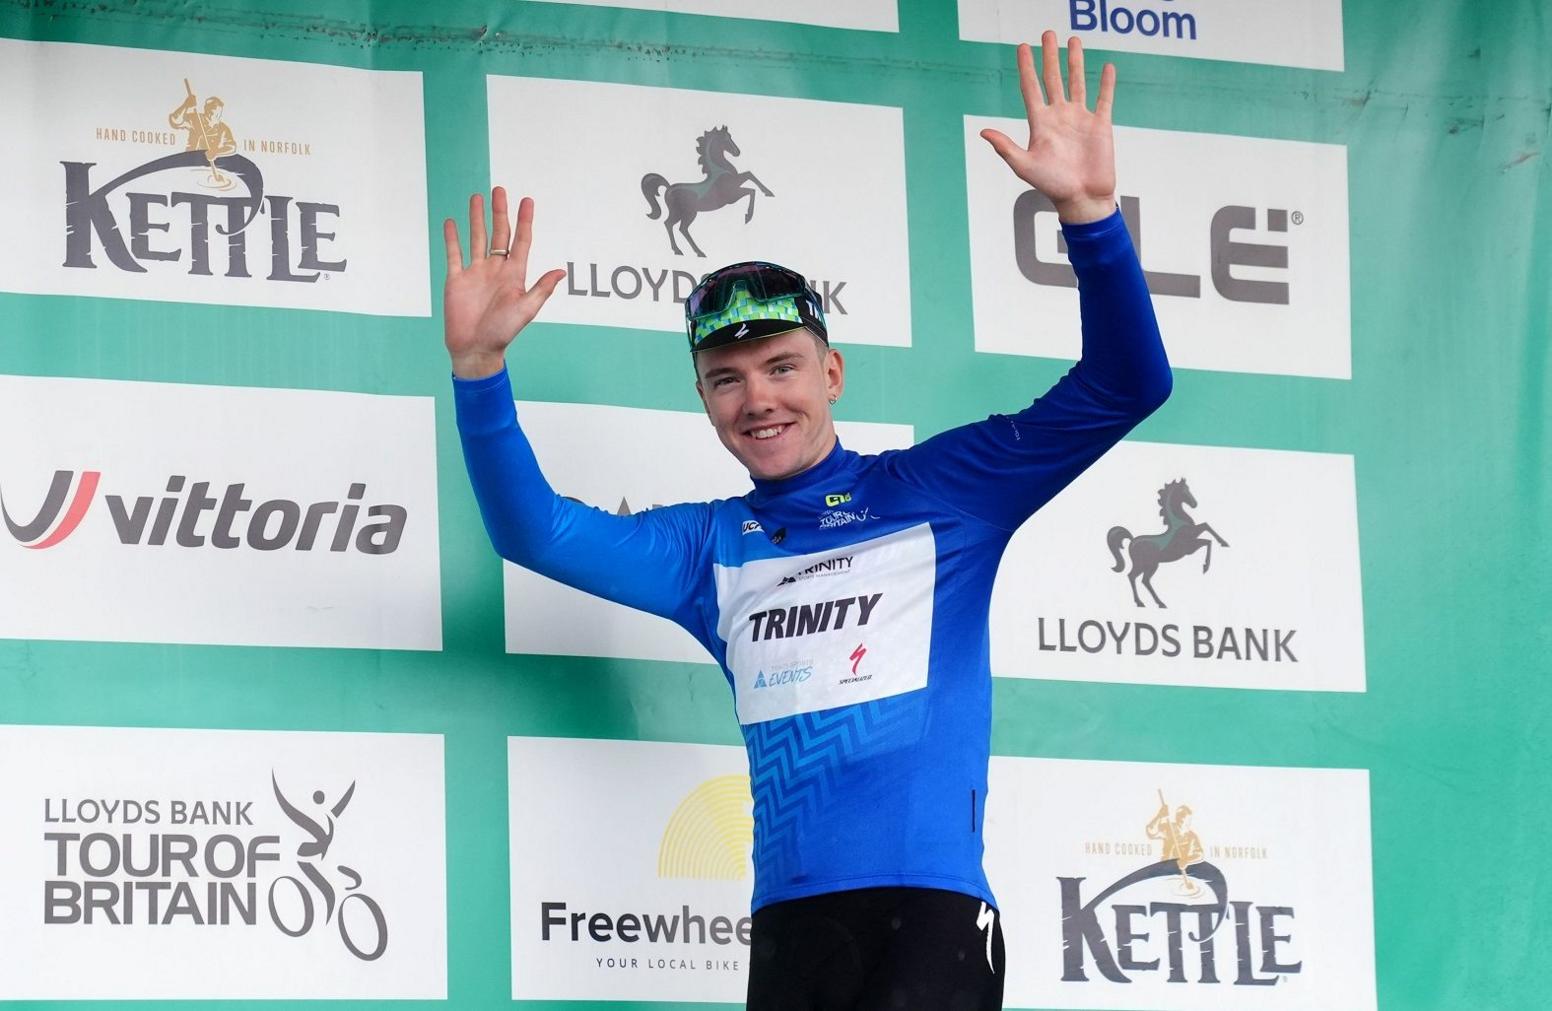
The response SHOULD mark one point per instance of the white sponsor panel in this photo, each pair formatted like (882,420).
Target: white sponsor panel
(624,470)
(877,15)
(1161,886)
(1244,242)
(184,177)
(218,865)
(161,512)
(1252,559)
(1284,33)
(628,175)
(631,870)
(800,630)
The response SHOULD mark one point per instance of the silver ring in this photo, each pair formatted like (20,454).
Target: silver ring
(499,252)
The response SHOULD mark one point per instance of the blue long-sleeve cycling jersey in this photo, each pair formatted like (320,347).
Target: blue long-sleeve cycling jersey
(848,605)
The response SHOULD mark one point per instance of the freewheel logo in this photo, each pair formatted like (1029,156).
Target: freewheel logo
(189,516)
(195,210)
(1185,897)
(131,862)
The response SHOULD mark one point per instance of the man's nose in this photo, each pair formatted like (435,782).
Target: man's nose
(759,396)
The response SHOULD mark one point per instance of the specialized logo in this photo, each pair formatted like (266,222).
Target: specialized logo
(721,184)
(986,920)
(1180,537)
(810,619)
(142,874)
(234,520)
(856,659)
(196,208)
(1194,904)
(743,328)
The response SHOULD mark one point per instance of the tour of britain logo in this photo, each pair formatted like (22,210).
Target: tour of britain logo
(1185,896)
(196,210)
(177,516)
(185,862)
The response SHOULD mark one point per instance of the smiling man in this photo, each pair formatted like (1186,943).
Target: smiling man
(845,597)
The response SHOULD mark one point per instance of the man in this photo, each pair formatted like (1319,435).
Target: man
(845,597)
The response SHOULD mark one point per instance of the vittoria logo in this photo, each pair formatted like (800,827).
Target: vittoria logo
(208,195)
(1182,897)
(720,185)
(1180,537)
(192,517)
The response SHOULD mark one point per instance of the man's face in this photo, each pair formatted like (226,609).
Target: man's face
(769,400)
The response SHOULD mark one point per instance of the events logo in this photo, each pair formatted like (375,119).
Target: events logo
(165,210)
(1186,899)
(235,520)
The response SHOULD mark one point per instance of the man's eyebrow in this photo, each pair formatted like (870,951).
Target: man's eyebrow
(776,359)
(784,356)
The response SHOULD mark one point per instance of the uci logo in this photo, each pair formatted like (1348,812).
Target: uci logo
(831,501)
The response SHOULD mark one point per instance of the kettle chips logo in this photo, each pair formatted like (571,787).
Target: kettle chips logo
(1225,252)
(212,153)
(1105,17)
(1185,865)
(271,525)
(157,871)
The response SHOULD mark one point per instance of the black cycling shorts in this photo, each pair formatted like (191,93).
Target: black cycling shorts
(877,948)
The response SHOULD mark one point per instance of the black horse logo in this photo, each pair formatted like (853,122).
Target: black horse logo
(722,185)
(1180,537)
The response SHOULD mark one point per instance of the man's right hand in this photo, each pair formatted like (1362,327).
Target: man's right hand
(486,302)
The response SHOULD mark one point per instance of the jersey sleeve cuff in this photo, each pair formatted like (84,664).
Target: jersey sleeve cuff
(483,405)
(1097,242)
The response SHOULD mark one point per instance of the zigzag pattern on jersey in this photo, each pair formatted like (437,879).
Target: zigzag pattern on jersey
(793,765)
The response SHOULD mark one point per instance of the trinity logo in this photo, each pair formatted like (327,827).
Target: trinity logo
(721,185)
(1181,536)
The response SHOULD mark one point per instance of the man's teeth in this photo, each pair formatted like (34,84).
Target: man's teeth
(767,433)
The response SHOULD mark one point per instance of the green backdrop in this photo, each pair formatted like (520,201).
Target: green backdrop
(1444,108)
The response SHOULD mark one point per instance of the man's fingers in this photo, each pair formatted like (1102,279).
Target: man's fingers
(477,244)
(1076,87)
(1029,83)
(1050,67)
(1002,144)
(500,226)
(525,213)
(454,247)
(1107,79)
(542,289)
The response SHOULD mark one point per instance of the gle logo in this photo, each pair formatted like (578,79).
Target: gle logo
(831,501)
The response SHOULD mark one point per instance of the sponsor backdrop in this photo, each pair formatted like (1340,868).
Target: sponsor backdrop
(276,724)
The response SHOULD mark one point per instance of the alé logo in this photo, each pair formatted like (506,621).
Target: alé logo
(190,516)
(1229,250)
(199,208)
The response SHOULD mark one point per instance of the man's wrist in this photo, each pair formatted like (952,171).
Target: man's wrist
(1085,210)
(478,366)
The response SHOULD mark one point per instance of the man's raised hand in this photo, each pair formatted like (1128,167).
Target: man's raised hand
(487,301)
(1070,156)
